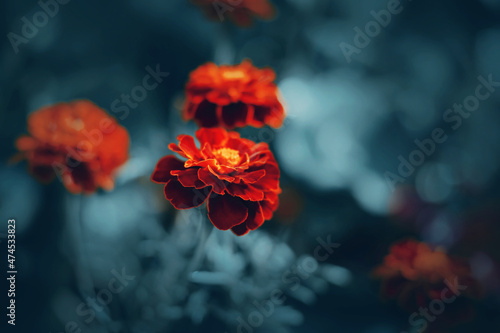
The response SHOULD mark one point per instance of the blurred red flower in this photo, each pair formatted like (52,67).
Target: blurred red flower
(233,96)
(415,275)
(77,141)
(239,178)
(241,12)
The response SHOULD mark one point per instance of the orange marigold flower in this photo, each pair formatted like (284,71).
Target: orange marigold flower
(239,178)
(77,141)
(233,96)
(416,274)
(241,12)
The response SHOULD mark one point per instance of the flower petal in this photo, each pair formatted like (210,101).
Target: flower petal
(268,208)
(209,179)
(246,192)
(189,178)
(252,177)
(240,229)
(189,110)
(185,197)
(240,144)
(263,9)
(226,211)
(221,175)
(277,116)
(234,115)
(187,144)
(175,148)
(270,181)
(205,114)
(164,167)
(213,136)
(44,173)
(273,116)
(241,17)
(25,143)
(206,151)
(255,216)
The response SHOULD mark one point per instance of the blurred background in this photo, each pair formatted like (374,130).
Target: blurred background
(356,105)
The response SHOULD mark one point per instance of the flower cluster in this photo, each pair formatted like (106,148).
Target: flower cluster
(239,178)
(77,141)
(233,96)
(241,12)
(416,274)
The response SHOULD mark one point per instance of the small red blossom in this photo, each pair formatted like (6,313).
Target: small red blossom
(233,96)
(241,12)
(77,141)
(238,177)
(416,274)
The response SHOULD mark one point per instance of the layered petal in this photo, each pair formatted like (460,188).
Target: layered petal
(415,274)
(77,141)
(226,211)
(255,216)
(233,96)
(245,192)
(188,146)
(212,136)
(234,115)
(189,178)
(239,177)
(184,197)
(209,179)
(163,168)
(240,229)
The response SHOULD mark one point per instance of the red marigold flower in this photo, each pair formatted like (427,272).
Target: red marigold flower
(415,275)
(77,141)
(233,96)
(241,12)
(239,178)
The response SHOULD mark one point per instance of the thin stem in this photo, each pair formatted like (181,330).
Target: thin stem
(224,50)
(83,270)
(200,251)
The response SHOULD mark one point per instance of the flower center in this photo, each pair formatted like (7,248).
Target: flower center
(227,156)
(233,74)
